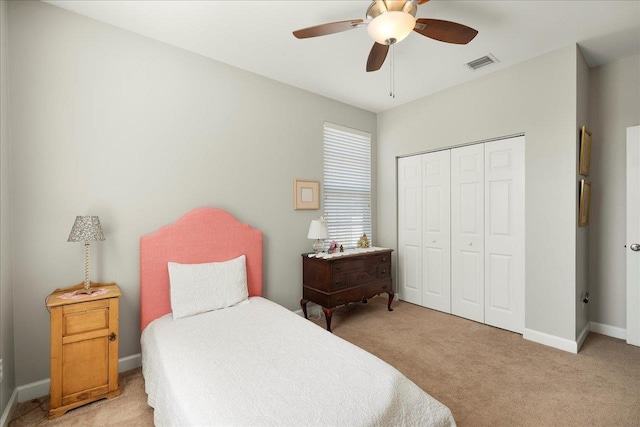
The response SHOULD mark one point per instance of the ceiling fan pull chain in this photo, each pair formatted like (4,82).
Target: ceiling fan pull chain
(392,77)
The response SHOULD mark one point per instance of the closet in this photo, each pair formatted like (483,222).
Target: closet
(461,231)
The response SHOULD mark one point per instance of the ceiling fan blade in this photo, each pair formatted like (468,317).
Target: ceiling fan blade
(445,31)
(329,28)
(377,56)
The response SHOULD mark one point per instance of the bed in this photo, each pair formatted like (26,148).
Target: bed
(255,362)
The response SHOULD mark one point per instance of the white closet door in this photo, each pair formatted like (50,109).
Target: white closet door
(467,232)
(436,240)
(504,234)
(409,229)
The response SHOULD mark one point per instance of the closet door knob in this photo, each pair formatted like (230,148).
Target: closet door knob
(635,247)
(470,243)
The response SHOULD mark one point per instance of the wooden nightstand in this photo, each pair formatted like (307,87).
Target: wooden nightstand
(344,278)
(84,347)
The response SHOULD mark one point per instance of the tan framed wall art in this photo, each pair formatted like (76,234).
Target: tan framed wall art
(585,152)
(585,202)
(306,194)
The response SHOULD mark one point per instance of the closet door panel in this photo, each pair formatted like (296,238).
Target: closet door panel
(410,229)
(467,232)
(436,240)
(504,234)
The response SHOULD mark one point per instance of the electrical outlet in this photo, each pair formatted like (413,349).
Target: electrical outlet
(585,299)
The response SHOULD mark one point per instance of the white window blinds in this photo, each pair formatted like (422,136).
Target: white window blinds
(347,184)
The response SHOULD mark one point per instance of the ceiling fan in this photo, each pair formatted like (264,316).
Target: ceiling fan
(389,22)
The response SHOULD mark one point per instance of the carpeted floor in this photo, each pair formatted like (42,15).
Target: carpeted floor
(128,409)
(486,376)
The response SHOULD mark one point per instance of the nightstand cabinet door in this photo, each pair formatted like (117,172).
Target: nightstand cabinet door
(84,352)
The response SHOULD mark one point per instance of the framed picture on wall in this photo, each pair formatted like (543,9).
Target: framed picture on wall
(585,152)
(306,194)
(585,202)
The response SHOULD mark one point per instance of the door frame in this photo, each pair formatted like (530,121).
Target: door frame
(633,235)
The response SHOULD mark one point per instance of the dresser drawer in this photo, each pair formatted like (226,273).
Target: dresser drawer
(347,265)
(361,262)
(384,270)
(358,293)
(350,279)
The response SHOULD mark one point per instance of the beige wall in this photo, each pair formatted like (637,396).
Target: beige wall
(614,105)
(6,287)
(537,98)
(109,123)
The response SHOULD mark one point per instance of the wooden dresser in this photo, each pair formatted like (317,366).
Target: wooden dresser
(345,277)
(84,347)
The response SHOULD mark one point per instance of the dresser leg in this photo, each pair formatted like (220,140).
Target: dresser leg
(303,304)
(327,315)
(391,294)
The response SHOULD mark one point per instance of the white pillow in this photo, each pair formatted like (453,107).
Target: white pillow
(197,288)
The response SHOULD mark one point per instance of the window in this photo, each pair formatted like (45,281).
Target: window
(347,184)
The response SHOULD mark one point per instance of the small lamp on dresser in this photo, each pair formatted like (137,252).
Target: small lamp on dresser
(86,229)
(318,230)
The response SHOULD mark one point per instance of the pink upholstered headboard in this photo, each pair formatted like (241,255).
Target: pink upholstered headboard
(201,235)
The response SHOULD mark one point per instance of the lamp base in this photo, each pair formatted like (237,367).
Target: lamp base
(88,291)
(318,245)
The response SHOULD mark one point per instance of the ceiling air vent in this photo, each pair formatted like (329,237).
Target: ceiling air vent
(482,62)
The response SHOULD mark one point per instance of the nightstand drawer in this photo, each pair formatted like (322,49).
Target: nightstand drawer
(80,318)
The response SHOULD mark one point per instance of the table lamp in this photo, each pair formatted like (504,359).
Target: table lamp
(86,229)
(318,230)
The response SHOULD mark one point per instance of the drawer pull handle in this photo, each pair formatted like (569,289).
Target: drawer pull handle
(112,337)
(384,271)
(383,259)
(338,267)
(339,282)
(339,299)
(384,286)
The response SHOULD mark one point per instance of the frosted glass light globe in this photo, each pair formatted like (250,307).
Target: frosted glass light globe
(391,27)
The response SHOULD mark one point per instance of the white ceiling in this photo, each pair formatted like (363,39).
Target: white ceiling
(256,36)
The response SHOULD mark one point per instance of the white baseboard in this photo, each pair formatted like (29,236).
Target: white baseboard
(7,414)
(583,336)
(312,310)
(551,340)
(608,330)
(129,362)
(33,390)
(41,388)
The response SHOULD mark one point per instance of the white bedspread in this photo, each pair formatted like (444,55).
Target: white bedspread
(260,364)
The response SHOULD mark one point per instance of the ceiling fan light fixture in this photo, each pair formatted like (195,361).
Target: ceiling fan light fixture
(391,27)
